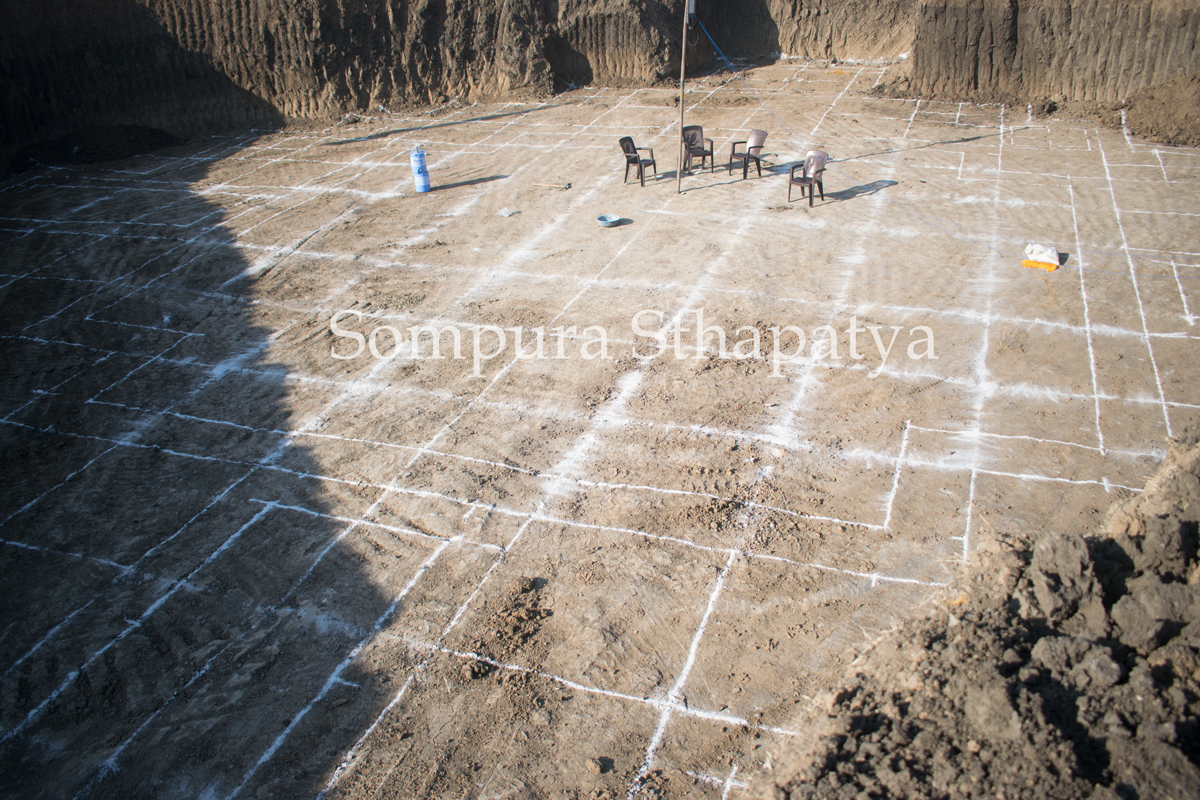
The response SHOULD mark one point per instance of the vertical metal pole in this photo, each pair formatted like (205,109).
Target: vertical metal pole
(687,6)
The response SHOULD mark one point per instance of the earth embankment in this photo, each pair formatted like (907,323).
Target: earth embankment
(1088,50)
(185,65)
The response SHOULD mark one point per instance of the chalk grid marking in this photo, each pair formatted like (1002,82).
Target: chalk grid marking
(727,783)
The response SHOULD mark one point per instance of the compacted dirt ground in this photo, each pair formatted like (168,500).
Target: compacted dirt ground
(247,553)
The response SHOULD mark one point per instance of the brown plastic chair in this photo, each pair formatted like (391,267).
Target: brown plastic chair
(632,159)
(753,152)
(693,135)
(810,176)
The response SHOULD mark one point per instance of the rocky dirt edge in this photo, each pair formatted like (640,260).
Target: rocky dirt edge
(1165,113)
(1065,670)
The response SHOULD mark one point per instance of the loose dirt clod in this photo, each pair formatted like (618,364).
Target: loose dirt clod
(1071,671)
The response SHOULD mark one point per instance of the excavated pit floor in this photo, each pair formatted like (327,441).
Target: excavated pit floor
(236,566)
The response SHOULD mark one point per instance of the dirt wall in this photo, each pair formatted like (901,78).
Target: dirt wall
(844,29)
(613,43)
(1091,50)
(66,65)
(188,65)
(177,63)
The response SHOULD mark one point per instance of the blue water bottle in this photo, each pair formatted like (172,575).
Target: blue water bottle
(420,171)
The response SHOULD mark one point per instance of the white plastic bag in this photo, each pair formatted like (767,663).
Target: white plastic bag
(1041,252)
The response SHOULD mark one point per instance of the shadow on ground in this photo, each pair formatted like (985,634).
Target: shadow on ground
(176,595)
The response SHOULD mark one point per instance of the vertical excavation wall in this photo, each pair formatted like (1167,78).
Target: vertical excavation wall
(614,42)
(845,29)
(185,65)
(1098,50)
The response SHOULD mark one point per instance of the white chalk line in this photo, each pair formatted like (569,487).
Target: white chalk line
(843,307)
(133,444)
(1162,166)
(605,485)
(366,523)
(613,410)
(156,358)
(130,627)
(860,307)
(1162,396)
(518,252)
(1087,322)
(351,754)
(1187,313)
(275,255)
(665,704)
(464,606)
(38,394)
(54,630)
(980,360)
(127,440)
(268,507)
(122,568)
(912,118)
(872,578)
(122,277)
(225,223)
(111,764)
(33,272)
(290,155)
(966,537)
(973,467)
(673,696)
(57,486)
(891,498)
(285,252)
(59,278)
(133,271)
(1019,390)
(970,433)
(334,677)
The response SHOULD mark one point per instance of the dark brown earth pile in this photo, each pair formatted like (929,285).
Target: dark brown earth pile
(1068,672)
(1167,112)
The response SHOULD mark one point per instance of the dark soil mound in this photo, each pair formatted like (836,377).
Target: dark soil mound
(92,145)
(1167,112)
(1069,671)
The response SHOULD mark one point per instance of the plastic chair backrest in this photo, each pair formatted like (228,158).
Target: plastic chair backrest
(694,136)
(757,140)
(628,148)
(814,163)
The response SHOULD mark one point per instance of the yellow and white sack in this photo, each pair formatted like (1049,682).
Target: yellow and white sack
(1040,256)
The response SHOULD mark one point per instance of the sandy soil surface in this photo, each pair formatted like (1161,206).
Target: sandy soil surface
(240,563)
